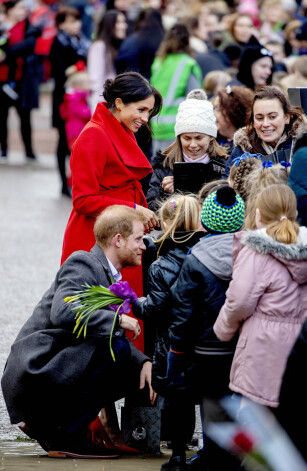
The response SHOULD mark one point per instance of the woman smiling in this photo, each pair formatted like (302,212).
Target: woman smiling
(196,133)
(107,164)
(273,125)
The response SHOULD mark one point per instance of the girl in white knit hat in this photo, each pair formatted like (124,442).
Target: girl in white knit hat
(196,132)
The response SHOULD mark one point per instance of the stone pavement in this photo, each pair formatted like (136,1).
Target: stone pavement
(33,217)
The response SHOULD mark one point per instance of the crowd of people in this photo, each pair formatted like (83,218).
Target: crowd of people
(178,46)
(166,95)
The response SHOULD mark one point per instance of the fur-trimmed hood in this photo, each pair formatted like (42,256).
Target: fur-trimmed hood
(293,256)
(242,140)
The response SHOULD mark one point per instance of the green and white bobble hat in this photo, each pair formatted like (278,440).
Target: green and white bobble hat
(223,211)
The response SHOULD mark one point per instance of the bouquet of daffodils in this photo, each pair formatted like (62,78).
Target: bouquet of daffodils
(87,302)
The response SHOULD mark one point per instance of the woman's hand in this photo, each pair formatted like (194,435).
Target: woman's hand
(168,184)
(151,218)
(131,324)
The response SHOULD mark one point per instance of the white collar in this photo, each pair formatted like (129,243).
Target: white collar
(116,275)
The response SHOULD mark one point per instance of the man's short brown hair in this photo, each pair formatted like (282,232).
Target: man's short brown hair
(116,219)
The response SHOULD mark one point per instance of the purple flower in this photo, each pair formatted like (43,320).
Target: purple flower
(125,307)
(123,290)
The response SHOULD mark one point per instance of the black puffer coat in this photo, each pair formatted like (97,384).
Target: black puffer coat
(198,296)
(155,192)
(156,307)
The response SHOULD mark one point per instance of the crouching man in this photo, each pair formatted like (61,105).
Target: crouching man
(55,383)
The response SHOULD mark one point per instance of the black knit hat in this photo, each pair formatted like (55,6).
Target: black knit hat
(251,53)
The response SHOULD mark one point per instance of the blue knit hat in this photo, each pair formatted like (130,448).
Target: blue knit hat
(223,211)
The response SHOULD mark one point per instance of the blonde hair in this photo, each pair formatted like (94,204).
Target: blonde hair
(239,173)
(76,79)
(214,79)
(256,181)
(277,206)
(300,64)
(290,27)
(181,213)
(173,153)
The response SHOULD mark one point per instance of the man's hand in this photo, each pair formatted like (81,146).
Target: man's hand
(168,184)
(129,323)
(145,377)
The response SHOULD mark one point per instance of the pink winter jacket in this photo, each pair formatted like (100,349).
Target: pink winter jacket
(267,301)
(76,113)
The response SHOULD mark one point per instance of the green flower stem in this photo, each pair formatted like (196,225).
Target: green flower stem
(112,330)
(87,302)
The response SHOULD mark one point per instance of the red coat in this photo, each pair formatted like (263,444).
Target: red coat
(106,166)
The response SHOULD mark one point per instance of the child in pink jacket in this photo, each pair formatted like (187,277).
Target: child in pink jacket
(267,297)
(75,109)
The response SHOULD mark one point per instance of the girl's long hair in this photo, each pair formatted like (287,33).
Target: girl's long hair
(181,214)
(277,206)
(175,41)
(106,32)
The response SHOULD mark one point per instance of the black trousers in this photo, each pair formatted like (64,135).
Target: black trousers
(25,123)
(62,153)
(59,414)
(211,384)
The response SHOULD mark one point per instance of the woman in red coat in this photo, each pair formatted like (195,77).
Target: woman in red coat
(107,164)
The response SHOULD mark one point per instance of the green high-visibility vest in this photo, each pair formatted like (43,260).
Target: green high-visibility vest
(170,77)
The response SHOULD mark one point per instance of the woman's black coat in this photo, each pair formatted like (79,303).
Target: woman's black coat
(65,51)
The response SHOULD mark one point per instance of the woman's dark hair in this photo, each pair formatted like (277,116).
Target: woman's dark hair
(64,12)
(235,104)
(105,31)
(149,19)
(295,112)
(9,4)
(176,40)
(131,87)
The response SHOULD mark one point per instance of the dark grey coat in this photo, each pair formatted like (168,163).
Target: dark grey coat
(46,347)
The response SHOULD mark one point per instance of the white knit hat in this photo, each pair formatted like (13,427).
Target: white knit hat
(195,114)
